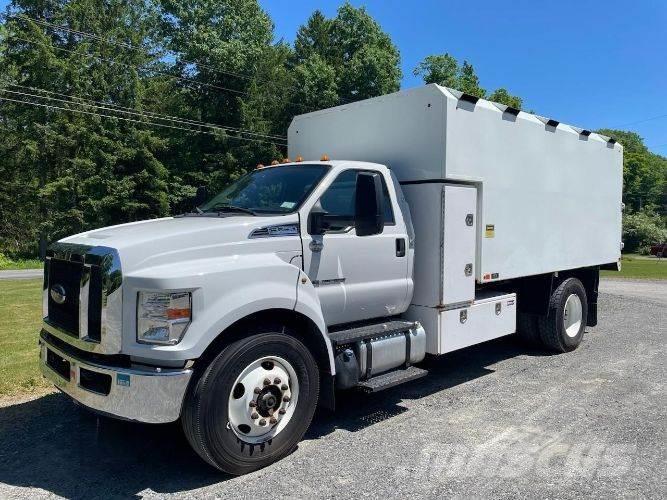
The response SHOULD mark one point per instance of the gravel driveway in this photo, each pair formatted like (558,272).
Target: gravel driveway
(493,420)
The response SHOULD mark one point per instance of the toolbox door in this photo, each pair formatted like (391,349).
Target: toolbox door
(459,244)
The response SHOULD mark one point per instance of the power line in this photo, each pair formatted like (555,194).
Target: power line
(133,66)
(642,121)
(190,81)
(121,44)
(141,49)
(106,108)
(143,122)
(152,114)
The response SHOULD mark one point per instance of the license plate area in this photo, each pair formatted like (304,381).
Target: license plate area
(58,364)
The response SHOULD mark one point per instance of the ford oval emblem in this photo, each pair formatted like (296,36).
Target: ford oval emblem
(58,294)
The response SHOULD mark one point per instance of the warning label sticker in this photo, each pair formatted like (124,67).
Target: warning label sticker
(490,231)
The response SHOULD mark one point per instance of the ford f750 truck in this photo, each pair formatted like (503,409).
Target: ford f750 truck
(441,221)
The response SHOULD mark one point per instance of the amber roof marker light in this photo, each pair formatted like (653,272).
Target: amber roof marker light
(324,158)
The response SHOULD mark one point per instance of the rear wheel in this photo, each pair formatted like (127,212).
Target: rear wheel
(562,329)
(253,403)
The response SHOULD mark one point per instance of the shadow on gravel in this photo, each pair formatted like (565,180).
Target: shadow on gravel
(52,444)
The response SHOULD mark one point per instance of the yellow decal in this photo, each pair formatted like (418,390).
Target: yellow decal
(490,231)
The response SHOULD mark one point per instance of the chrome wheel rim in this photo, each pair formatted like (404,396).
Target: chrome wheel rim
(263,399)
(572,315)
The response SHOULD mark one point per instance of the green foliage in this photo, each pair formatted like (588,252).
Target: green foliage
(502,96)
(361,57)
(445,70)
(644,173)
(441,69)
(643,229)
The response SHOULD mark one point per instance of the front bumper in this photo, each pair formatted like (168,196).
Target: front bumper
(142,394)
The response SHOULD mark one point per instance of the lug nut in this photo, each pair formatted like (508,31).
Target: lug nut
(284,387)
(267,381)
(254,416)
(271,410)
(286,399)
(252,404)
(273,420)
(276,380)
(257,390)
(282,411)
(262,422)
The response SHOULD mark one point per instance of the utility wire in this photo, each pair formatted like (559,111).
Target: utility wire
(121,44)
(106,108)
(190,81)
(143,122)
(642,121)
(142,50)
(133,66)
(151,114)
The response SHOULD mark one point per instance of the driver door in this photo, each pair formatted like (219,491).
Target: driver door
(357,277)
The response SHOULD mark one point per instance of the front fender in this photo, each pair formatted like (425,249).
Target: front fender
(224,290)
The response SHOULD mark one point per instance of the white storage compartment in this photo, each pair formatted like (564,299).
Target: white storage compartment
(444,219)
(491,315)
(487,318)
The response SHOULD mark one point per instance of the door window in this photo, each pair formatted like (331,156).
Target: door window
(339,198)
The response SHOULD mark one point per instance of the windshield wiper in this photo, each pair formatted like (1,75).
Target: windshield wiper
(226,207)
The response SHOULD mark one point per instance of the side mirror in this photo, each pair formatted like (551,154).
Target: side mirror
(369,204)
(316,222)
(201,196)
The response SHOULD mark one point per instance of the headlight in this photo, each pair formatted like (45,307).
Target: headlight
(162,318)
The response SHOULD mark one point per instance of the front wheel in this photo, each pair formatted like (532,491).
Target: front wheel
(562,328)
(253,403)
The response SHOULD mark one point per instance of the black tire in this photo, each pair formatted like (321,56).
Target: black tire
(527,328)
(205,411)
(552,328)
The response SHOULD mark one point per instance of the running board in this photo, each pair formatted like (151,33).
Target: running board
(392,379)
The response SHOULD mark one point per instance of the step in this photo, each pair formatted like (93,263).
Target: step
(368,331)
(392,379)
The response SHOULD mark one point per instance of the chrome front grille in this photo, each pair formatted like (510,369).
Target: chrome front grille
(82,290)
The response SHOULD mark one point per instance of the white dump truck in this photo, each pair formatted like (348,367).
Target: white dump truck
(435,222)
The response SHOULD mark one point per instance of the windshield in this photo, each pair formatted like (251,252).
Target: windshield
(277,190)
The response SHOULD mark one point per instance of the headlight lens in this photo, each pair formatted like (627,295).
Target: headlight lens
(162,318)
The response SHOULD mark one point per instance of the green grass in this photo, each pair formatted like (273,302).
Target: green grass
(20,319)
(639,266)
(7,264)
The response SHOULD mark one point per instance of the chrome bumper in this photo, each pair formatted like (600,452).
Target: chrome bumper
(150,395)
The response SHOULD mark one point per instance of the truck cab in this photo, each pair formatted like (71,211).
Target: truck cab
(307,277)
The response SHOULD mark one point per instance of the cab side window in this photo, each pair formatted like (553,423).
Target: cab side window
(339,198)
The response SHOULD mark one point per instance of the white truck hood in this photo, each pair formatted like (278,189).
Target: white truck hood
(177,239)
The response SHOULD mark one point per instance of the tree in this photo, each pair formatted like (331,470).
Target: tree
(77,169)
(441,69)
(361,56)
(502,96)
(644,173)
(468,81)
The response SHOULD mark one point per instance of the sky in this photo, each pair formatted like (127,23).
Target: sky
(588,63)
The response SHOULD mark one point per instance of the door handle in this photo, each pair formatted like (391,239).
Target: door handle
(400,247)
